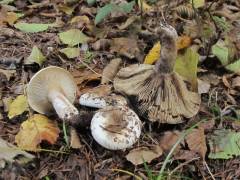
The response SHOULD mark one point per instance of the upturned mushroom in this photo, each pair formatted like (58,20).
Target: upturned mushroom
(53,88)
(157,92)
(116,128)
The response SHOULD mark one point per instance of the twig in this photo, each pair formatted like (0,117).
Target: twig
(209,170)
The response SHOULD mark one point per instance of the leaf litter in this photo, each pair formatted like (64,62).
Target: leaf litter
(90,37)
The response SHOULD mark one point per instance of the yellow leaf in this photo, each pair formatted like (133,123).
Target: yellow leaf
(154,54)
(144,6)
(34,130)
(183,42)
(18,106)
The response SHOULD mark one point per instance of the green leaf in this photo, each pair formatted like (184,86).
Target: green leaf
(197,3)
(32,28)
(91,2)
(73,37)
(224,144)
(186,66)
(36,56)
(222,23)
(235,66)
(104,11)
(221,52)
(71,52)
(127,7)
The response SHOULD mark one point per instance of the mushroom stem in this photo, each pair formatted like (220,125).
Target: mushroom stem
(168,54)
(62,106)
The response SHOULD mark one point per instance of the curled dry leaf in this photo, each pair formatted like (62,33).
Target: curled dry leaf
(34,130)
(144,154)
(111,70)
(127,47)
(196,141)
(101,44)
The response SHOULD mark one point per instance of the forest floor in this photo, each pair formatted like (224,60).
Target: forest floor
(207,144)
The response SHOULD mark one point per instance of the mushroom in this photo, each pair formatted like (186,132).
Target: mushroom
(53,88)
(96,100)
(116,128)
(157,92)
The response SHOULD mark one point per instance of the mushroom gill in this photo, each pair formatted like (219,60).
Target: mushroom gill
(157,92)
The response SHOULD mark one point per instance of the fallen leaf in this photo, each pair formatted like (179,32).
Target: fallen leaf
(74,140)
(168,139)
(8,73)
(32,28)
(101,44)
(73,37)
(221,52)
(234,67)
(196,141)
(129,22)
(71,52)
(154,54)
(224,144)
(110,71)
(203,86)
(10,152)
(6,103)
(36,56)
(127,47)
(144,6)
(186,66)
(66,9)
(139,155)
(18,106)
(236,82)
(34,130)
(183,42)
(197,3)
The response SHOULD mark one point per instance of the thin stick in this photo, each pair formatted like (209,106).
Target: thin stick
(209,170)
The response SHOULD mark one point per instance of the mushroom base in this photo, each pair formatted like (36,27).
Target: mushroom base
(161,97)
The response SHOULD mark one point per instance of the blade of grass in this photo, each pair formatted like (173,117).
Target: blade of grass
(129,173)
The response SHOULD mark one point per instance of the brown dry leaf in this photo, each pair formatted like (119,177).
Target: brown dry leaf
(127,47)
(196,141)
(203,86)
(34,130)
(183,42)
(83,76)
(236,82)
(101,44)
(139,155)
(168,139)
(185,155)
(128,22)
(8,73)
(7,17)
(226,82)
(74,140)
(110,71)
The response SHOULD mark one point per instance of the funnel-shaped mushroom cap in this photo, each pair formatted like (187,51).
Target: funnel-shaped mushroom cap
(46,81)
(116,127)
(159,97)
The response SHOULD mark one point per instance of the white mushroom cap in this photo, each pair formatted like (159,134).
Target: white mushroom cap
(116,128)
(53,88)
(98,101)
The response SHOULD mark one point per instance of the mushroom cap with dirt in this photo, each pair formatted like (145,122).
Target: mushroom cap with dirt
(53,88)
(156,91)
(116,128)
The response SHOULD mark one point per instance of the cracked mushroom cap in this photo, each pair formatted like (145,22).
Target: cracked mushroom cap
(116,128)
(49,79)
